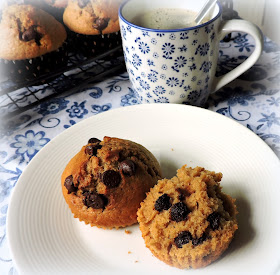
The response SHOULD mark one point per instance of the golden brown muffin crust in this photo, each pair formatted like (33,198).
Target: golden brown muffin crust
(92,17)
(61,4)
(120,201)
(28,32)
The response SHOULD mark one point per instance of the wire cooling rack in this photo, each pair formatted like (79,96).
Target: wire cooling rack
(79,73)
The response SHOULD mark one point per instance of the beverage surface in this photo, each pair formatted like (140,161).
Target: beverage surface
(166,19)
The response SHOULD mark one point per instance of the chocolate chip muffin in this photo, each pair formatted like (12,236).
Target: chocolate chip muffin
(60,4)
(31,42)
(105,182)
(187,221)
(93,24)
(92,17)
(54,7)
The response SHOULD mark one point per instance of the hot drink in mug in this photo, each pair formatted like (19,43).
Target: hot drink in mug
(166,19)
(171,60)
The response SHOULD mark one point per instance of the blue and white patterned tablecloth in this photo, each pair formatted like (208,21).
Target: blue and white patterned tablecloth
(253,100)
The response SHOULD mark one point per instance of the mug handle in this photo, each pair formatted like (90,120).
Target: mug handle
(247,27)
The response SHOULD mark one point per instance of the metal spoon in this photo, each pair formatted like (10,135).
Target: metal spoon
(203,12)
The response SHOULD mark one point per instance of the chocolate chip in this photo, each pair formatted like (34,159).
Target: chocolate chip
(69,184)
(92,149)
(183,238)
(94,200)
(214,220)
(82,3)
(111,178)
(179,212)
(163,203)
(94,140)
(128,167)
(200,240)
(30,34)
(183,193)
(100,24)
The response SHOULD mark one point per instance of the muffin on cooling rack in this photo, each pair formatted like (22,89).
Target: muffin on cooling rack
(93,24)
(105,182)
(32,42)
(187,221)
(53,7)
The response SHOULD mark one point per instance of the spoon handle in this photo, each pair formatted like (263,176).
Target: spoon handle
(207,6)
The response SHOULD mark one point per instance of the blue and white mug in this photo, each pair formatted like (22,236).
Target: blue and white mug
(179,65)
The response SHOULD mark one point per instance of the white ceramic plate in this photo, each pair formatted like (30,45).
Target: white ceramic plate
(44,236)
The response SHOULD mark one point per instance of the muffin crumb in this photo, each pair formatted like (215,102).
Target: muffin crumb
(187,221)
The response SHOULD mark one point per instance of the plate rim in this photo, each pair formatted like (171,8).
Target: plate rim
(214,115)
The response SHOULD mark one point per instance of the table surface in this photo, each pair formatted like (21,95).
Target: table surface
(253,100)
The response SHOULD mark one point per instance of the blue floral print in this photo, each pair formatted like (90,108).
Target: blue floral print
(160,34)
(123,32)
(180,62)
(212,37)
(184,35)
(129,99)
(206,66)
(153,76)
(183,48)
(29,144)
(172,81)
(168,49)
(192,67)
(202,49)
(144,48)
(95,92)
(153,41)
(77,110)
(172,36)
(150,62)
(71,122)
(54,106)
(274,101)
(136,61)
(5,189)
(270,119)
(144,84)
(242,43)
(161,99)
(159,90)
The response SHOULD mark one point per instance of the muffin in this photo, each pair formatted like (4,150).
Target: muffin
(31,42)
(59,4)
(93,24)
(187,221)
(105,182)
(54,7)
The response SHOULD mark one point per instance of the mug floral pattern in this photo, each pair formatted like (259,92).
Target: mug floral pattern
(171,66)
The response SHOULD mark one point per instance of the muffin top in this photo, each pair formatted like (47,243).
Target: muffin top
(61,4)
(105,182)
(92,17)
(28,32)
